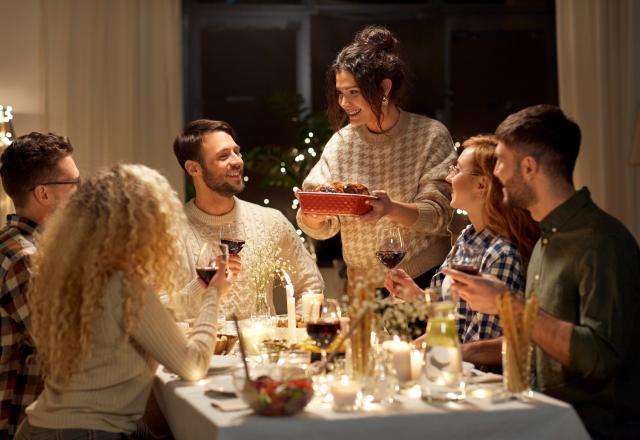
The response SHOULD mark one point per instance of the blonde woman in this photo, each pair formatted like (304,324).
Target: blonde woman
(98,322)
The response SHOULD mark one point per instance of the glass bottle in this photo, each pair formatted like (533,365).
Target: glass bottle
(442,377)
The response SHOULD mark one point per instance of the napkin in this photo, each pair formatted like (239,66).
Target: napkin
(229,404)
(482,377)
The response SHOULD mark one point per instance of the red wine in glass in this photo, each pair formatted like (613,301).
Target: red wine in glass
(235,245)
(323,332)
(466,268)
(206,273)
(390,258)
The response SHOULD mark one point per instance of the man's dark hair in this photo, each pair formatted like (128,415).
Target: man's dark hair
(187,145)
(31,160)
(544,132)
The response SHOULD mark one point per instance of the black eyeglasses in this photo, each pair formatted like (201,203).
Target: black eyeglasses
(75,182)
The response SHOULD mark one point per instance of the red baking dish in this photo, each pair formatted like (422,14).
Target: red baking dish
(333,203)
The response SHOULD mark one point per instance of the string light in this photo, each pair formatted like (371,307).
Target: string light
(6,126)
(266,201)
(310,134)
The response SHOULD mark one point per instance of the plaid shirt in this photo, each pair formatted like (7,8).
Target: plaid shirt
(20,382)
(500,258)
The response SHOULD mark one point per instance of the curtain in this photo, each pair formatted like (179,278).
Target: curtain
(599,86)
(113,81)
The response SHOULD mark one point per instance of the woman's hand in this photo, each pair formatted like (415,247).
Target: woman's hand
(221,281)
(235,265)
(381,206)
(402,286)
(404,214)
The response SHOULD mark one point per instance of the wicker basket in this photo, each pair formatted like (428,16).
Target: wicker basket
(333,203)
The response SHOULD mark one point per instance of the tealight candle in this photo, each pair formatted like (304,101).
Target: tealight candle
(254,335)
(345,393)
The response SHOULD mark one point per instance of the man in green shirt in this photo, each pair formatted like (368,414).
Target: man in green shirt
(585,270)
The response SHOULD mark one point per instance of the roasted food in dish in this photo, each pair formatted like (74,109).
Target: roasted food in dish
(343,187)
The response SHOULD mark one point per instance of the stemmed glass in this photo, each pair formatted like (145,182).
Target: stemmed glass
(206,264)
(390,249)
(324,325)
(234,236)
(467,258)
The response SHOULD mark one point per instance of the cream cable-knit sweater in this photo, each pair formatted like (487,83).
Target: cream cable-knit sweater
(111,388)
(269,235)
(410,162)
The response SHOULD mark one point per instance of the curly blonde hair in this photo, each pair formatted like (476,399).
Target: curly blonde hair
(127,219)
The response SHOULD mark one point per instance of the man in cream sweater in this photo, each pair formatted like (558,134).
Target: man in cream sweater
(207,151)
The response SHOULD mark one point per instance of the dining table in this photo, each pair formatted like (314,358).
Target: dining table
(192,410)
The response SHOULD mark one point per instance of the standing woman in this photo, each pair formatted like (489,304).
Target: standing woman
(402,157)
(98,323)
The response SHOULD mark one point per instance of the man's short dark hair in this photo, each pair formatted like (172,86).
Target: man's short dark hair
(187,145)
(544,132)
(31,160)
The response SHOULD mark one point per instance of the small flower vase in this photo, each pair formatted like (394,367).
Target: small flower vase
(261,309)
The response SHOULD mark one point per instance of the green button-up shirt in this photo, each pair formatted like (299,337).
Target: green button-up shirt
(585,269)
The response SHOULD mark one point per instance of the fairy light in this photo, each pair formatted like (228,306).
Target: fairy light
(6,126)
(307,141)
(266,201)
(310,134)
(245,178)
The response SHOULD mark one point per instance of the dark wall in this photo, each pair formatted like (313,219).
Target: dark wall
(472,63)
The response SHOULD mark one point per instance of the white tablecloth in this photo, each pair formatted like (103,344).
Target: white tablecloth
(192,417)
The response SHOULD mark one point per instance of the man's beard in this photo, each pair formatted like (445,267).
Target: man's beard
(517,194)
(220,186)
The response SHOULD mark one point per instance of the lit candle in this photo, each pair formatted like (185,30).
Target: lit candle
(291,315)
(254,335)
(345,392)
(417,361)
(400,352)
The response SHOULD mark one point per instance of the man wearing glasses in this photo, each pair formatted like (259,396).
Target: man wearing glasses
(38,173)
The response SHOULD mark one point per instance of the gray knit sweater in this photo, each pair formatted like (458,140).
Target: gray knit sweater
(410,162)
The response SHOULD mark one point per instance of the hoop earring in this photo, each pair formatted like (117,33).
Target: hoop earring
(385,100)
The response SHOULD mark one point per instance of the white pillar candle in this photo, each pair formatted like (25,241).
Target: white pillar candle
(291,315)
(400,354)
(345,392)
(417,361)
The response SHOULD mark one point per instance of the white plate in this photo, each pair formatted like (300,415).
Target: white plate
(219,362)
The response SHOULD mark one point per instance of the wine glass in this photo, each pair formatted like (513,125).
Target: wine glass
(467,258)
(206,266)
(234,236)
(324,324)
(390,248)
